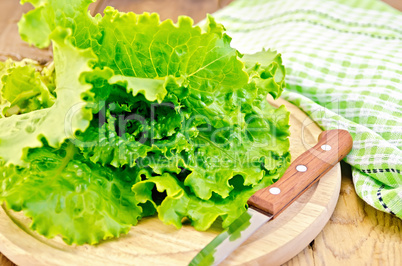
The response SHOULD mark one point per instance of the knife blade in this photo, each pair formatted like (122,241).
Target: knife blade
(269,202)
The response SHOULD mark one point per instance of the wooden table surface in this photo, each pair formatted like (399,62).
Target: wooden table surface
(356,234)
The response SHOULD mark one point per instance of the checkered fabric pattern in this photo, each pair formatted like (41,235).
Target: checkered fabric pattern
(344,69)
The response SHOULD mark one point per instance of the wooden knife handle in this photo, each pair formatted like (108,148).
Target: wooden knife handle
(308,168)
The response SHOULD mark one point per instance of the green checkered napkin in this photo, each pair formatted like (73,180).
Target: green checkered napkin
(344,69)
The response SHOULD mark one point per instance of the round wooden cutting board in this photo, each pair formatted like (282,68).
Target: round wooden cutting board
(153,243)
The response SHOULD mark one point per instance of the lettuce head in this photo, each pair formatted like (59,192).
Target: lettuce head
(135,117)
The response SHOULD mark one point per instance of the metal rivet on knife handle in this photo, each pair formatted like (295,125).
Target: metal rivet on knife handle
(301,168)
(275,190)
(326,147)
(332,146)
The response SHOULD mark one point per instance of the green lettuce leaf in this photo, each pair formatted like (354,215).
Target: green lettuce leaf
(152,89)
(41,77)
(103,145)
(36,26)
(63,194)
(25,91)
(178,203)
(265,69)
(57,123)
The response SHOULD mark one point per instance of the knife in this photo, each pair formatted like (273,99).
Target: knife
(269,202)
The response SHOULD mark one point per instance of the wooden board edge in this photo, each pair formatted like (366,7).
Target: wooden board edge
(299,243)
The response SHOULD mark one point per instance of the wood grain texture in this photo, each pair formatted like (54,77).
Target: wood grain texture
(397,4)
(356,234)
(293,183)
(152,242)
(11,45)
(168,9)
(4,261)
